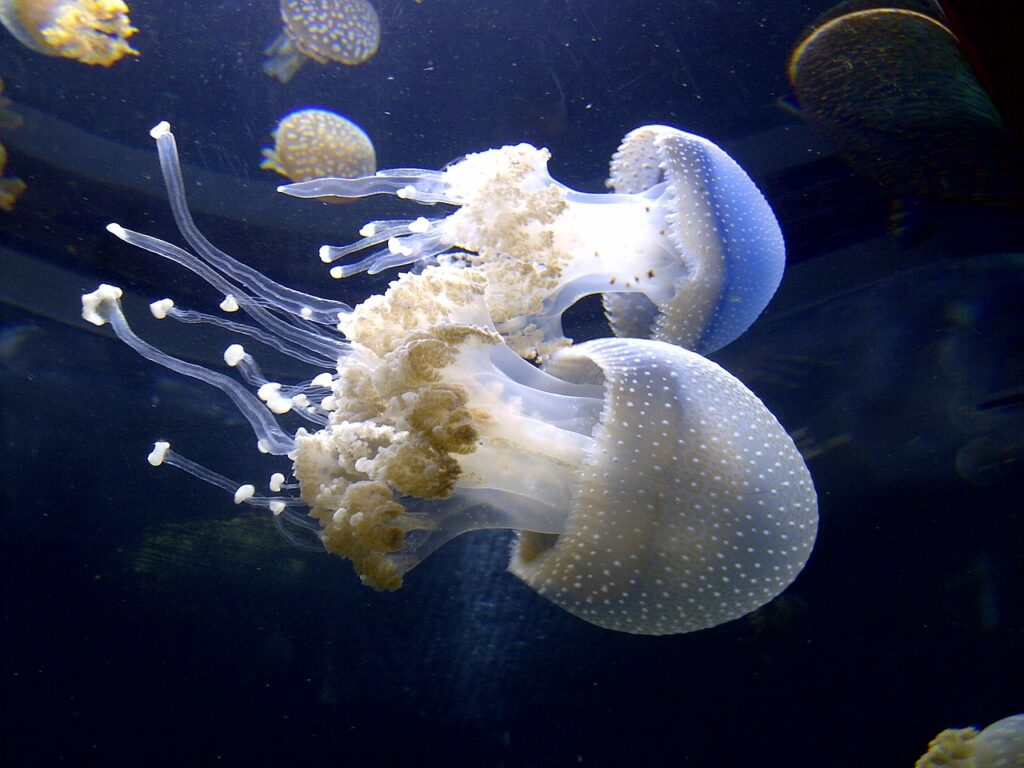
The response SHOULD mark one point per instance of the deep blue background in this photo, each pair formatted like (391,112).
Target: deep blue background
(148,620)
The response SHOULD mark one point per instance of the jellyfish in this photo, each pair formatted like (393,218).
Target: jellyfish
(345,31)
(313,143)
(685,250)
(89,31)
(10,186)
(894,93)
(651,491)
(1000,745)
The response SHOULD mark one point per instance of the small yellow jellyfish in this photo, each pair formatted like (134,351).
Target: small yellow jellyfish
(315,143)
(10,187)
(1000,745)
(346,31)
(91,31)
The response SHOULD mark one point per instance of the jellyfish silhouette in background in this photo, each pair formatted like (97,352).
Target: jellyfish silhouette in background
(653,492)
(894,93)
(313,143)
(686,250)
(89,31)
(10,186)
(345,31)
(1000,745)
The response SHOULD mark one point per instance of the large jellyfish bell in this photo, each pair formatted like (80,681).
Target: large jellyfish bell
(652,492)
(686,250)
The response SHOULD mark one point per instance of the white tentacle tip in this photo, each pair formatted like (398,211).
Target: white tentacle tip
(159,453)
(116,230)
(161,307)
(234,354)
(160,130)
(93,302)
(244,493)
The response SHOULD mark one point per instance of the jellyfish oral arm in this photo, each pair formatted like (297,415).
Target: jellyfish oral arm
(542,245)
(687,230)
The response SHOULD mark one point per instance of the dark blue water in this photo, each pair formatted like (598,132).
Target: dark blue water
(146,619)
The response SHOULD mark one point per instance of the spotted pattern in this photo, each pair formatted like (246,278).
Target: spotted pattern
(720,224)
(345,31)
(314,143)
(694,508)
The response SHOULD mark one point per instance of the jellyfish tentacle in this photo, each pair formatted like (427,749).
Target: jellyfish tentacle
(162,454)
(270,339)
(103,306)
(283,58)
(288,299)
(317,342)
(417,184)
(285,509)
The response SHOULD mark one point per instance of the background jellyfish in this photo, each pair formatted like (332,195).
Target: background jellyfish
(656,494)
(687,238)
(313,143)
(1000,745)
(892,90)
(345,31)
(90,31)
(10,186)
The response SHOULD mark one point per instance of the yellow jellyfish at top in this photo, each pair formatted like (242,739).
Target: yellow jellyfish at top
(89,31)
(10,187)
(314,143)
(345,31)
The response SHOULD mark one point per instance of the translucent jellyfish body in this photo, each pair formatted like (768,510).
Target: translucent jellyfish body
(344,31)
(313,143)
(1000,745)
(653,493)
(686,250)
(90,31)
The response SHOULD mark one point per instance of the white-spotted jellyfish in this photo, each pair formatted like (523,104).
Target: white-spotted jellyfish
(652,492)
(685,250)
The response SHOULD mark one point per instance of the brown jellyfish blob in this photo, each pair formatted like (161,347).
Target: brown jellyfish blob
(314,143)
(10,187)
(345,31)
(89,31)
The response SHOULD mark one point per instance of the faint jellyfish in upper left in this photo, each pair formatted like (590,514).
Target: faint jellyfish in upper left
(345,31)
(90,31)
(317,143)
